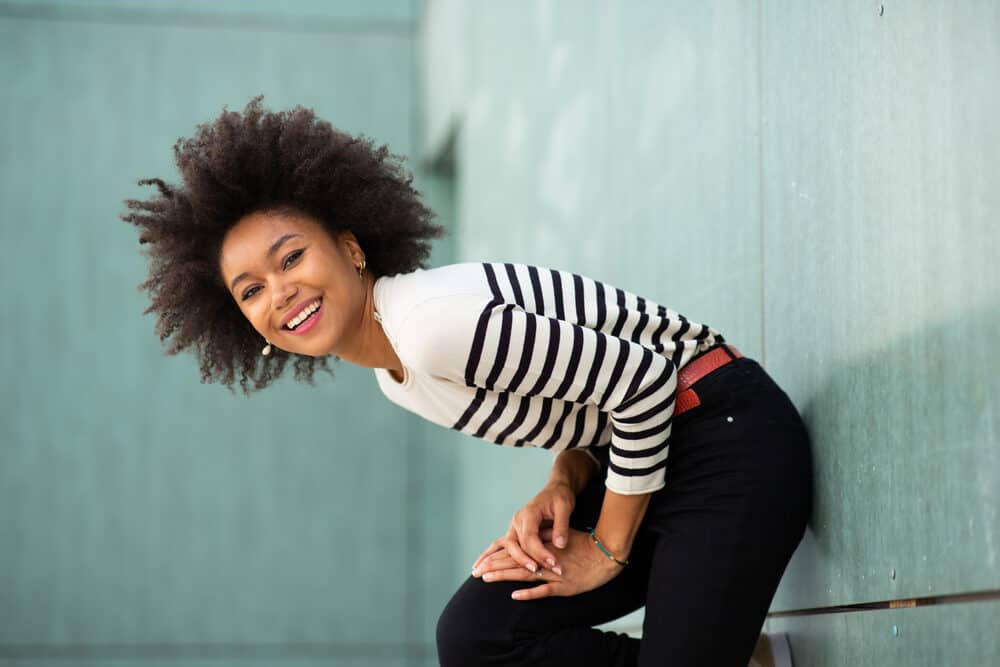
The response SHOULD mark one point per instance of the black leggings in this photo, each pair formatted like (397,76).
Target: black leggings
(706,561)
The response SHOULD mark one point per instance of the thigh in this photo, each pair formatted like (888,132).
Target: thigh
(734,508)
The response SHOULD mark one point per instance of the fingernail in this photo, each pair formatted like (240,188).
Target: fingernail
(532,567)
(475,572)
(551,561)
(560,541)
(516,595)
(557,570)
(488,576)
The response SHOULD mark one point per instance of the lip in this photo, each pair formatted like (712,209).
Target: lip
(293,313)
(306,326)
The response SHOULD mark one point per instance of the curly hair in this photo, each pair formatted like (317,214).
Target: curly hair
(264,161)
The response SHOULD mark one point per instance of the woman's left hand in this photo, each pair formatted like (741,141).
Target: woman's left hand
(584,568)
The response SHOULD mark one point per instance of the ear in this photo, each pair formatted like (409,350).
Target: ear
(348,238)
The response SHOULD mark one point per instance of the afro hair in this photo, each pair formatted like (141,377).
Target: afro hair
(264,161)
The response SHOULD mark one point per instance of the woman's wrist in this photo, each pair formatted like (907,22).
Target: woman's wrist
(619,521)
(619,544)
(573,468)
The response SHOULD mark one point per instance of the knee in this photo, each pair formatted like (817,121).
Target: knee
(456,635)
(463,633)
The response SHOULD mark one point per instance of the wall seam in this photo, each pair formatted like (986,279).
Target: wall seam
(204,19)
(760,175)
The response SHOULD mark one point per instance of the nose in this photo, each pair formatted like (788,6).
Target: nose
(282,295)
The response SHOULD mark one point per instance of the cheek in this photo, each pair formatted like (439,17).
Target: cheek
(255,313)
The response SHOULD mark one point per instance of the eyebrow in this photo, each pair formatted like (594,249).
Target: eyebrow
(270,252)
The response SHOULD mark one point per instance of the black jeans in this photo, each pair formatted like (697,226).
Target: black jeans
(706,561)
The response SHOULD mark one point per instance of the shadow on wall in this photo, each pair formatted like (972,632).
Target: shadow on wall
(906,468)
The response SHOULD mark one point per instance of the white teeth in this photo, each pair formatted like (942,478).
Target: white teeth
(306,312)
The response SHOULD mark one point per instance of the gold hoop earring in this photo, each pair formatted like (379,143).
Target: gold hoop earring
(361,270)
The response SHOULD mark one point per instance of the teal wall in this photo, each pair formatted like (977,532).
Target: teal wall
(816,180)
(146,518)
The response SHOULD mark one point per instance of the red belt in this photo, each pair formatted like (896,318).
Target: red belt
(697,368)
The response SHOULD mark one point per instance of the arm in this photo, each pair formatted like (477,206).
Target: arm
(620,514)
(497,346)
(619,521)
(573,467)
(494,345)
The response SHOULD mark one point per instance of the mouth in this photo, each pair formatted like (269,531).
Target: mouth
(305,324)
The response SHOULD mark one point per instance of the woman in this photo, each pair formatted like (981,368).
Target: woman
(292,241)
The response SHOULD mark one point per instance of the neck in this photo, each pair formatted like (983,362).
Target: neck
(372,348)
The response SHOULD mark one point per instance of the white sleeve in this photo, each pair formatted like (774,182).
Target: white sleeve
(501,347)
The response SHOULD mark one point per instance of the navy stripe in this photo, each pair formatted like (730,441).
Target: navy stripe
(602,422)
(595,368)
(581,310)
(518,297)
(573,391)
(639,454)
(651,389)
(543,419)
(640,375)
(557,431)
(522,412)
(636,472)
(494,415)
(639,418)
(645,433)
(536,289)
(527,347)
(578,428)
(550,359)
(616,372)
(622,313)
(502,347)
(574,361)
(471,410)
(679,349)
(601,307)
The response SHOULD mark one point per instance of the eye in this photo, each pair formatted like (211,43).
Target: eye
(290,257)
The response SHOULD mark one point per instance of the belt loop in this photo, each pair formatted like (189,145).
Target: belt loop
(728,351)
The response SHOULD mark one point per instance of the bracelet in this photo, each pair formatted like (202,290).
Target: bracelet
(601,547)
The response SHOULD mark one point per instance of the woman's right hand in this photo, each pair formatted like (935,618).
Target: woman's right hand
(552,506)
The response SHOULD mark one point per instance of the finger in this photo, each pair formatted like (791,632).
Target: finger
(560,525)
(545,534)
(516,573)
(517,553)
(499,561)
(536,592)
(536,549)
(495,546)
(528,540)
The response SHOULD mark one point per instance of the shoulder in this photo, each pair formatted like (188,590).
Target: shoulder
(398,296)
(438,336)
(431,314)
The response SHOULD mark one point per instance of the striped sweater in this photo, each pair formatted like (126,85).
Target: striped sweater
(522,355)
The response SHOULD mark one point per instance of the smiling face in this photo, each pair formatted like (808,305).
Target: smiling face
(275,264)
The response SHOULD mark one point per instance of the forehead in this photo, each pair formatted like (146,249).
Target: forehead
(246,244)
